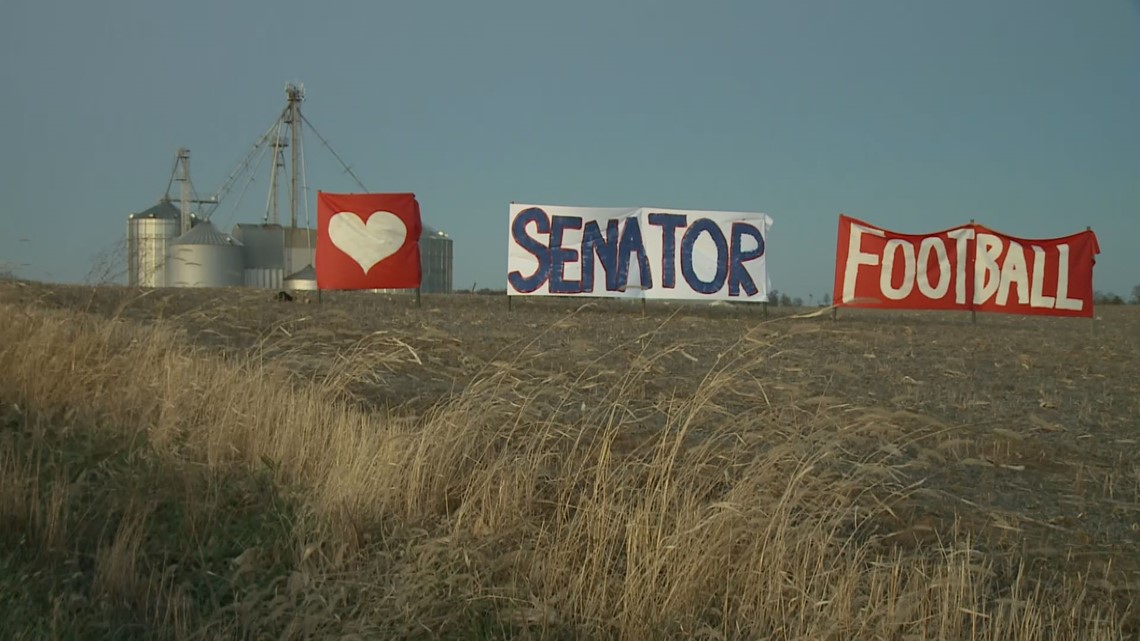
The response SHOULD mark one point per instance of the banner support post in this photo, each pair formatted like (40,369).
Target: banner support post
(510,302)
(973,312)
(419,303)
(765,309)
(1092,319)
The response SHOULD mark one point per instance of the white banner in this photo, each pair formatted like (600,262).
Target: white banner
(643,252)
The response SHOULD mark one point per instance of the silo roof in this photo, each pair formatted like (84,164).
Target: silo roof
(164,209)
(429,231)
(305,273)
(204,233)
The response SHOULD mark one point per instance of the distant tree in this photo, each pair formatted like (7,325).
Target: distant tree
(785,300)
(826,299)
(8,275)
(1103,298)
(1136,295)
(797,302)
(774,298)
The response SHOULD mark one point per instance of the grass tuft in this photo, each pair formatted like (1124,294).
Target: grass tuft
(154,490)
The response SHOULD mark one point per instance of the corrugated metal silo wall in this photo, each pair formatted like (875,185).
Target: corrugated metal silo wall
(436,262)
(301,284)
(206,266)
(148,240)
(132,254)
(264,277)
(263,246)
(300,248)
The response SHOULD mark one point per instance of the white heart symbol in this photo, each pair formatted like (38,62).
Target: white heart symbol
(371,242)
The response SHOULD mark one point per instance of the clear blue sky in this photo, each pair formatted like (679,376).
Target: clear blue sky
(915,115)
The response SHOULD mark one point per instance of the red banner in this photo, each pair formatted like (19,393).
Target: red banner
(368,241)
(964,268)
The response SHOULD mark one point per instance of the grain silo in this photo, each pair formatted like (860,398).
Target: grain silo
(306,279)
(263,252)
(149,234)
(300,248)
(205,257)
(436,261)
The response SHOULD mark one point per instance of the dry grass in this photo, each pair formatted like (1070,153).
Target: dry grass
(504,510)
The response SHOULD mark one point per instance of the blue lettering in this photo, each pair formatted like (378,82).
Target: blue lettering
(687,243)
(669,224)
(606,250)
(738,276)
(631,242)
(527,284)
(559,256)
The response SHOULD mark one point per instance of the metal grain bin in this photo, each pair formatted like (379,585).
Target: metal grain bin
(436,261)
(306,279)
(205,257)
(263,246)
(300,248)
(149,234)
(264,277)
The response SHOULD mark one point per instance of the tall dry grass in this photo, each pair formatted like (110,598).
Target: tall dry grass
(515,509)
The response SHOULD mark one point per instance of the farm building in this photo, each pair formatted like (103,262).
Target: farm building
(170,246)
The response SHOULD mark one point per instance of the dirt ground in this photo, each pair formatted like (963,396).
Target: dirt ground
(1027,430)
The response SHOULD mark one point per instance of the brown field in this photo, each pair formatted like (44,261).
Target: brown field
(215,464)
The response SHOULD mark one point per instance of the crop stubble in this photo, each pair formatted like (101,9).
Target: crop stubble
(1021,433)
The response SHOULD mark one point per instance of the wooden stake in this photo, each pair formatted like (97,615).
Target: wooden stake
(510,300)
(765,305)
(418,302)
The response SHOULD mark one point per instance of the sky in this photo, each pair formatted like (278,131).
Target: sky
(909,114)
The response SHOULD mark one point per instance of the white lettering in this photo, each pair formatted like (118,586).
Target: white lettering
(1014,272)
(963,237)
(1037,298)
(1063,301)
(887,273)
(933,292)
(856,257)
(987,276)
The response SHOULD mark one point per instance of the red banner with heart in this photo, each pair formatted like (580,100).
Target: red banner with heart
(368,241)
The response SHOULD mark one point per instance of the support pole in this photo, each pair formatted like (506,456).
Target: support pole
(419,302)
(295,97)
(184,210)
(765,305)
(973,312)
(510,302)
(1092,319)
